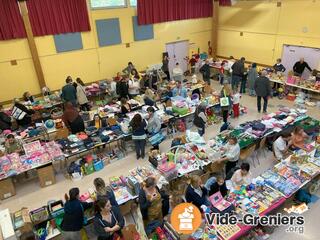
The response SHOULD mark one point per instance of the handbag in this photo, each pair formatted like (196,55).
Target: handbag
(224,102)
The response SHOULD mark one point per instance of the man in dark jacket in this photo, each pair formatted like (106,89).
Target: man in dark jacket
(69,92)
(237,73)
(299,67)
(205,70)
(263,90)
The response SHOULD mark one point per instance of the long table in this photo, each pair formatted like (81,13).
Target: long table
(294,85)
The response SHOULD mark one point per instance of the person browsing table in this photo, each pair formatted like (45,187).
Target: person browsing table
(300,66)
(231,154)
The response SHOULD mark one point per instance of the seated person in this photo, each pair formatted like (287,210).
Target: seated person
(242,176)
(217,184)
(12,145)
(154,204)
(125,106)
(281,146)
(298,138)
(179,90)
(104,191)
(149,97)
(108,220)
(72,119)
(27,97)
(22,114)
(5,120)
(196,193)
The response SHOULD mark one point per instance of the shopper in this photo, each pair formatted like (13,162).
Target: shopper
(192,63)
(242,176)
(225,93)
(81,95)
(149,97)
(125,106)
(298,138)
(134,74)
(12,145)
(221,73)
(108,220)
(278,67)
(217,184)
(154,123)
(177,73)
(231,154)
(200,119)
(281,146)
(73,219)
(21,114)
(127,70)
(236,103)
(72,119)
(300,66)
(179,90)
(27,97)
(154,204)
(252,77)
(237,73)
(122,88)
(69,92)
(196,193)
(205,70)
(263,90)
(134,86)
(104,191)
(165,66)
(243,84)
(139,136)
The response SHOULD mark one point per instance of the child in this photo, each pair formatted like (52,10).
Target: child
(221,73)
(236,104)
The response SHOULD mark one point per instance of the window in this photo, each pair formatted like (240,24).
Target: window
(133,3)
(108,3)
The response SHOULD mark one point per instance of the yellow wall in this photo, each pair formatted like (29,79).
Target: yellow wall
(93,63)
(266,28)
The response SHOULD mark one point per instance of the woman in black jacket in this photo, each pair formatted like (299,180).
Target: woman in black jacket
(73,218)
(108,221)
(196,193)
(122,88)
(154,204)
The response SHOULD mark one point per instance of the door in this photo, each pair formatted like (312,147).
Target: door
(178,52)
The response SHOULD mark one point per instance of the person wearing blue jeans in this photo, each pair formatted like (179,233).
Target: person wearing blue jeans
(139,136)
(237,73)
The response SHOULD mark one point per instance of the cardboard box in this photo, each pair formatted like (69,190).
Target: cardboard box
(46,176)
(7,188)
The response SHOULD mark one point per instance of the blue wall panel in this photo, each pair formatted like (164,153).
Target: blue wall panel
(108,31)
(68,42)
(142,32)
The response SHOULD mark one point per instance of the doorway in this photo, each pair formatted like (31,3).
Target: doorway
(178,52)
